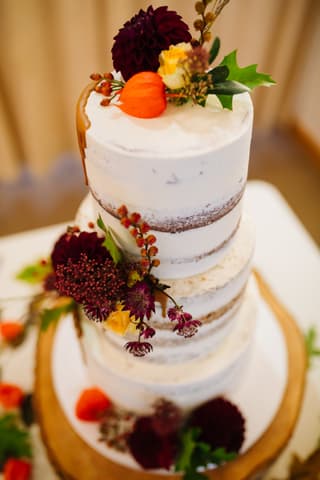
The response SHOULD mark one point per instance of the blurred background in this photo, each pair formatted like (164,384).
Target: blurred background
(48,49)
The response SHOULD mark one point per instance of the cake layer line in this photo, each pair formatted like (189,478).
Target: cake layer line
(180,224)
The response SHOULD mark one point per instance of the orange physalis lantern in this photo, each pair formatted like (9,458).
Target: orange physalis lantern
(143,95)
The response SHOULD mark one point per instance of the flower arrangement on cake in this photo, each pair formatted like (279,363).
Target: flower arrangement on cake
(160,62)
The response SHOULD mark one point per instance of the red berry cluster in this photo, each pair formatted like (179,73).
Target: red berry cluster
(138,229)
(107,86)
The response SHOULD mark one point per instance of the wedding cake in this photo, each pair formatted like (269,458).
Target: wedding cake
(160,259)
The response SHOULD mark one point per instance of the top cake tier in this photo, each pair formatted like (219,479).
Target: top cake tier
(184,172)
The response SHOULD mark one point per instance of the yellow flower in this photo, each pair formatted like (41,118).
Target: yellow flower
(172,68)
(119,320)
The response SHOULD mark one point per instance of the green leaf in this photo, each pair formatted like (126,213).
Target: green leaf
(52,315)
(219,74)
(188,445)
(214,50)
(220,455)
(229,87)
(14,441)
(35,273)
(109,242)
(226,101)
(247,75)
(310,342)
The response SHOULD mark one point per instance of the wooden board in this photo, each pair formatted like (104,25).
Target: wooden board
(75,460)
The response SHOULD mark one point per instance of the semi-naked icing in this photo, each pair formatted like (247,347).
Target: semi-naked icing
(214,297)
(184,171)
(135,384)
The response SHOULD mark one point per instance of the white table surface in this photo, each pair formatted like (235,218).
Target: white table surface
(286,256)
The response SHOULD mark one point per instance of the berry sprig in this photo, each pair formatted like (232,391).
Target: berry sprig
(107,86)
(138,229)
(204,23)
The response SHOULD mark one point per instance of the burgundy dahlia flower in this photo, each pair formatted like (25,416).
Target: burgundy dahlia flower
(221,424)
(139,300)
(139,42)
(71,246)
(150,449)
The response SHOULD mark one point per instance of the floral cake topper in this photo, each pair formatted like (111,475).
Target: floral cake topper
(157,61)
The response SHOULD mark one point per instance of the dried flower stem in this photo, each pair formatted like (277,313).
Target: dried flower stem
(204,24)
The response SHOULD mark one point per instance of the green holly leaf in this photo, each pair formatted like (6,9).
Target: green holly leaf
(14,440)
(247,76)
(36,272)
(219,74)
(52,315)
(229,87)
(109,242)
(214,50)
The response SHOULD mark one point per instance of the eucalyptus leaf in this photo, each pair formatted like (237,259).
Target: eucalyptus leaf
(214,50)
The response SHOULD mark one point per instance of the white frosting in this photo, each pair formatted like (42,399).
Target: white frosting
(189,162)
(136,384)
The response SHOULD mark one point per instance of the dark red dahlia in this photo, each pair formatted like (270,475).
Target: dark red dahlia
(71,246)
(167,417)
(221,424)
(140,301)
(150,449)
(139,42)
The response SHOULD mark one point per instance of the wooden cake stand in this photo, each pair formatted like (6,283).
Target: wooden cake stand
(76,460)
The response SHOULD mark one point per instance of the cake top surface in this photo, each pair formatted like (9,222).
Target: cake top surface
(181,131)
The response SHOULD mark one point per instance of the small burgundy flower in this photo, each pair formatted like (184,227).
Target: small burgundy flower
(221,424)
(138,349)
(150,449)
(148,332)
(177,314)
(139,42)
(187,329)
(140,301)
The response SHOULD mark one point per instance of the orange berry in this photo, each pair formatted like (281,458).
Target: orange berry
(144,227)
(134,232)
(153,251)
(108,76)
(105,102)
(140,242)
(151,239)
(90,224)
(156,262)
(92,404)
(96,77)
(144,262)
(11,396)
(11,330)
(125,222)
(123,211)
(135,217)
(144,252)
